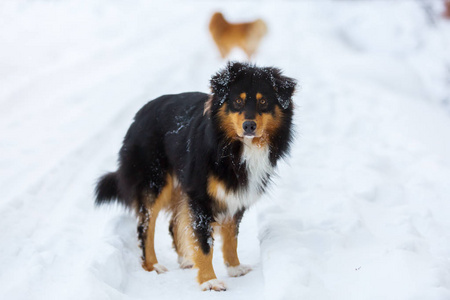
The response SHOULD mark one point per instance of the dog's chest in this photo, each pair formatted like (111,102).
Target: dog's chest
(258,169)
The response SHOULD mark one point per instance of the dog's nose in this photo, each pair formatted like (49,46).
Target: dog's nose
(249,127)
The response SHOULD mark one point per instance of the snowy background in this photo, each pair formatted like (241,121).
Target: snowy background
(361,209)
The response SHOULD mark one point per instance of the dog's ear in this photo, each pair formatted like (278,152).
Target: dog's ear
(221,81)
(284,87)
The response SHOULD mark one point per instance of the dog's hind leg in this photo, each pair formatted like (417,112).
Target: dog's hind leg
(224,50)
(148,214)
(250,46)
(180,229)
(180,241)
(146,235)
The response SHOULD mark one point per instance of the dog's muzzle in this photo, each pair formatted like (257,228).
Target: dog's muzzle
(249,127)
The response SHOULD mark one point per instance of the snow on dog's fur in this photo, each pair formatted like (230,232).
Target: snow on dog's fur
(206,159)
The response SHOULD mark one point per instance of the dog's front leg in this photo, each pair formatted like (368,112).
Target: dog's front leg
(229,231)
(203,249)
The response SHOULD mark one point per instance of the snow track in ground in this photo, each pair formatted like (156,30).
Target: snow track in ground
(359,211)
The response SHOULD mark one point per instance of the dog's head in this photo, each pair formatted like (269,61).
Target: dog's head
(248,101)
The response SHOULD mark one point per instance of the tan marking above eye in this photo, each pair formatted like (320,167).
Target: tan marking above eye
(258,96)
(243,96)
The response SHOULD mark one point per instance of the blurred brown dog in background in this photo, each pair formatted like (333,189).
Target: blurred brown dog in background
(446,13)
(246,36)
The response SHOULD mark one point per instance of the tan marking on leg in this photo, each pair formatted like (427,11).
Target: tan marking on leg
(182,231)
(180,249)
(204,264)
(228,232)
(187,244)
(161,202)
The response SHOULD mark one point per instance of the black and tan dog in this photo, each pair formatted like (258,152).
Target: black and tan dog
(205,159)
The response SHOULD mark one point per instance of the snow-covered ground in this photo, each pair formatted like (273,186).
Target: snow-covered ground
(359,211)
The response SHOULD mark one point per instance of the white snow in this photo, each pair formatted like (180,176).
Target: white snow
(359,211)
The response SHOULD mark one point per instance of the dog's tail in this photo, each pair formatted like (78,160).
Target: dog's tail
(107,189)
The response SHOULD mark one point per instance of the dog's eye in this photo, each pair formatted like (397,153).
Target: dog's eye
(238,103)
(262,103)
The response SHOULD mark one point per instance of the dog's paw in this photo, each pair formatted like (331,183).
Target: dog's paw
(160,268)
(213,284)
(185,263)
(239,270)
(157,267)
